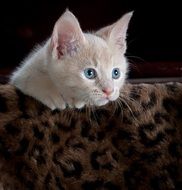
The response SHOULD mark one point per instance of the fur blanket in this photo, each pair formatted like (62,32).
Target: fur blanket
(133,144)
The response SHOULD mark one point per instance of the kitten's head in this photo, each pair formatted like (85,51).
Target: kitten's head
(88,68)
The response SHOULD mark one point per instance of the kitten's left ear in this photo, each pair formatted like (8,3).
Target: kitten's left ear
(116,33)
(67,36)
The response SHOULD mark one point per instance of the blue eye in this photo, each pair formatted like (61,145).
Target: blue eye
(90,73)
(116,73)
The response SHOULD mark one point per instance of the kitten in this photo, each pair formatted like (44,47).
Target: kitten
(75,68)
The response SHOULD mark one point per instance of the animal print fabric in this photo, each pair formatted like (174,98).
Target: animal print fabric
(134,144)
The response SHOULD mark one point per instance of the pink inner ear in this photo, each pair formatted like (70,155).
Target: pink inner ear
(66,47)
(67,35)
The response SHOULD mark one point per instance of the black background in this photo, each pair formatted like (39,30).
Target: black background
(154,35)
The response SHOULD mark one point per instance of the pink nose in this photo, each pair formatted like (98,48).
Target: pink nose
(107,91)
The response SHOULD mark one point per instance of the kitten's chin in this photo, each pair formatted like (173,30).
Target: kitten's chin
(104,101)
(101,102)
(115,96)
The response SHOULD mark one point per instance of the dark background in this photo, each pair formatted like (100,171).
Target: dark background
(154,35)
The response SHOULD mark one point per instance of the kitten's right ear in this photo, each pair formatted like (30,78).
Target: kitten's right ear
(116,33)
(67,36)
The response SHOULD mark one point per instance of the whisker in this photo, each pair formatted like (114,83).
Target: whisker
(119,103)
(137,58)
(128,106)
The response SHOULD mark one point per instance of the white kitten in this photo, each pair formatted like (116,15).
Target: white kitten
(75,68)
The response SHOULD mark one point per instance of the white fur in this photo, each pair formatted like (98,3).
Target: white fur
(54,73)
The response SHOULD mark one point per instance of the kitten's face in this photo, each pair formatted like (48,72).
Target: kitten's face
(90,69)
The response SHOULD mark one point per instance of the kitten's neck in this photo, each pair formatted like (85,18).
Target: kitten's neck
(32,78)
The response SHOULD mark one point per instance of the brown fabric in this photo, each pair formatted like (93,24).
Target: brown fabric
(136,144)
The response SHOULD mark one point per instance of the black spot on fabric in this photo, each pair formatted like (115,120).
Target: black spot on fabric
(126,120)
(159,117)
(54,138)
(153,99)
(155,183)
(67,127)
(85,129)
(95,163)
(107,166)
(151,103)
(115,156)
(82,110)
(171,131)
(12,130)
(23,147)
(92,185)
(150,157)
(38,148)
(179,112)
(172,88)
(110,125)
(40,108)
(75,170)
(56,111)
(129,152)
(124,135)
(41,160)
(47,179)
(148,127)
(118,111)
(45,124)
(173,170)
(29,185)
(39,155)
(93,160)
(91,138)
(148,142)
(78,145)
(3,106)
(21,104)
(38,134)
(134,175)
(58,184)
(169,104)
(101,135)
(159,182)
(73,123)
(134,93)
(175,174)
(121,136)
(178,185)
(111,186)
(57,155)
(174,149)
(99,115)
(4,151)
(24,174)
(115,142)
(136,114)
(75,143)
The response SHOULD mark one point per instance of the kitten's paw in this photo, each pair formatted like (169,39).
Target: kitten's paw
(79,105)
(54,102)
(49,104)
(59,103)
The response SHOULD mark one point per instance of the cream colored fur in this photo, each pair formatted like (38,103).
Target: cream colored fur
(54,73)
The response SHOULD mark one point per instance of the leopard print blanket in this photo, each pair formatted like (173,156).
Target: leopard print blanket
(133,144)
